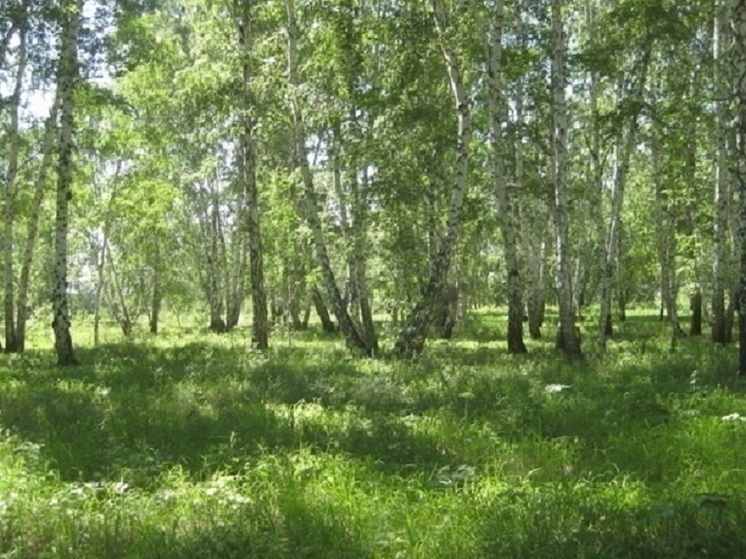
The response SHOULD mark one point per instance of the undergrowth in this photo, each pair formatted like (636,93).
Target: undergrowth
(192,445)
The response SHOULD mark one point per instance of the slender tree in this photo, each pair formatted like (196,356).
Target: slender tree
(250,216)
(411,339)
(67,80)
(12,342)
(504,206)
(568,338)
(347,326)
(738,58)
(722,174)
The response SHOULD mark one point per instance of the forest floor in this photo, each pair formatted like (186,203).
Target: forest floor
(186,445)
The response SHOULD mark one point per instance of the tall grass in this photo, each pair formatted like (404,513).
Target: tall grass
(189,445)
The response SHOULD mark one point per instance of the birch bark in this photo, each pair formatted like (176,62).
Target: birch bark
(411,339)
(67,82)
(504,207)
(12,344)
(48,148)
(348,328)
(247,168)
(570,341)
(722,174)
(738,60)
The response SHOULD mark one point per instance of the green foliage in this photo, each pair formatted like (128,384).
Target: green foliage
(190,445)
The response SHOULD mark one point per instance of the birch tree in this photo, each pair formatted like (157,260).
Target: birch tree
(504,207)
(722,173)
(12,342)
(411,339)
(568,338)
(347,326)
(738,61)
(67,77)
(249,217)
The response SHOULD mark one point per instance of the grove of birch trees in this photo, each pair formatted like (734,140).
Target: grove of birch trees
(387,166)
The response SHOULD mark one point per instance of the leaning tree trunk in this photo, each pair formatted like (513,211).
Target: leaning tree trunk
(12,342)
(327,325)
(738,53)
(722,175)
(613,248)
(352,213)
(359,224)
(504,207)
(348,328)
(48,148)
(570,340)
(412,337)
(67,81)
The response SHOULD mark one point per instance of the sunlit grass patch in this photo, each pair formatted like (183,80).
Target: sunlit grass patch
(195,445)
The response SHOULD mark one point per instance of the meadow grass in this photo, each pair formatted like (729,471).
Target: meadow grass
(188,444)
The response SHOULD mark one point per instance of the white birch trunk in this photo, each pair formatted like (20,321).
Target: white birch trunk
(569,339)
(722,174)
(48,147)
(67,81)
(738,60)
(12,344)
(411,339)
(352,335)
(504,207)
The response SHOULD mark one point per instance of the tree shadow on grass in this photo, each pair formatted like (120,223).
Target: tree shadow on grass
(133,412)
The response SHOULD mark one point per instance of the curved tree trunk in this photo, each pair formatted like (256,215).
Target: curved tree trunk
(48,148)
(411,339)
(348,328)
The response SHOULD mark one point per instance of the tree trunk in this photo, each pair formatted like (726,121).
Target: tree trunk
(67,81)
(533,243)
(695,304)
(260,323)
(738,53)
(12,342)
(48,149)
(117,302)
(504,206)
(722,174)
(156,295)
(215,288)
(411,339)
(359,234)
(730,311)
(353,336)
(568,332)
(327,324)
(665,215)
(353,209)
(100,282)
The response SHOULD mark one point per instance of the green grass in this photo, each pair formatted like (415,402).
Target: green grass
(188,445)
